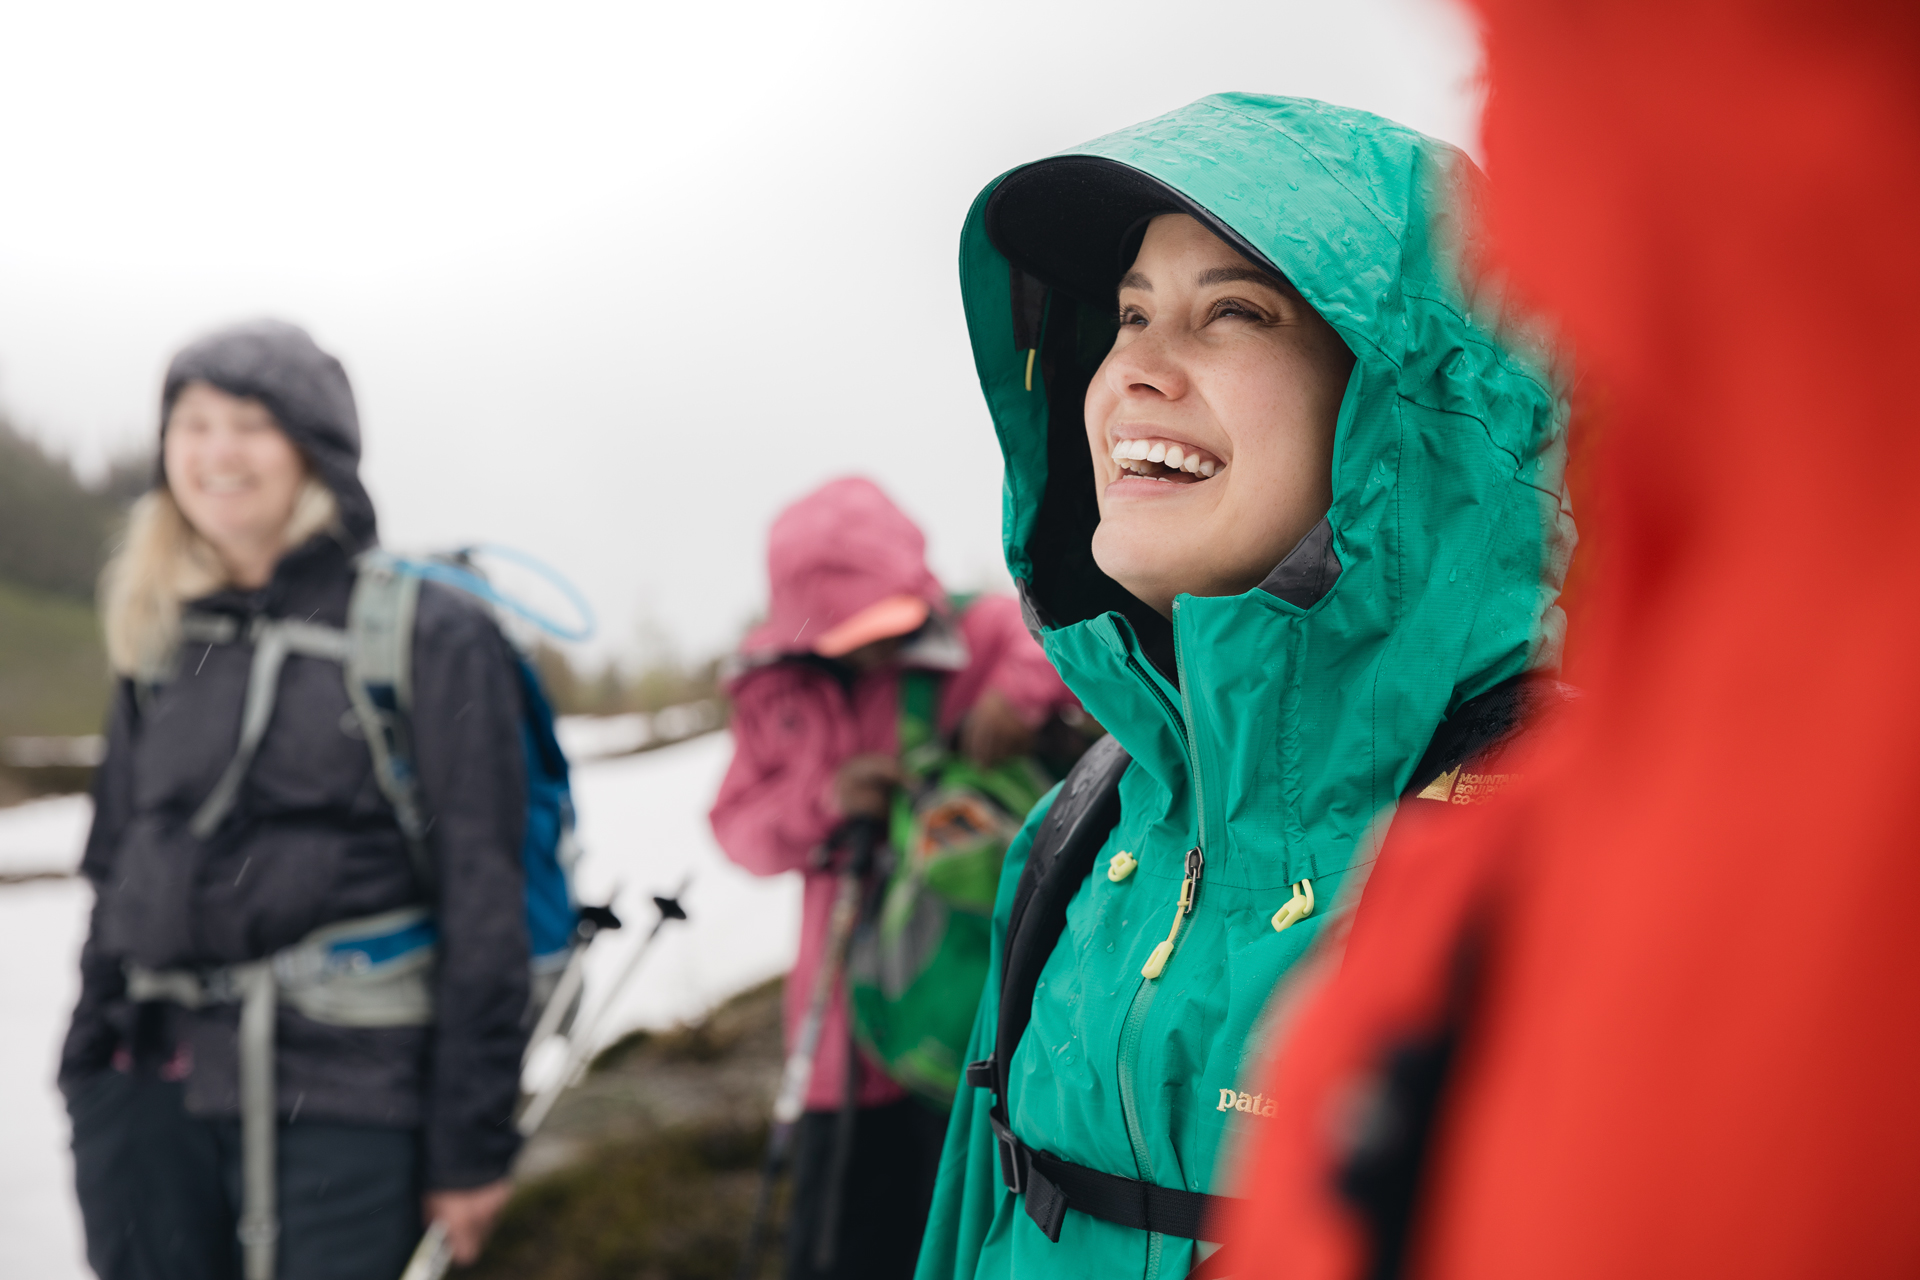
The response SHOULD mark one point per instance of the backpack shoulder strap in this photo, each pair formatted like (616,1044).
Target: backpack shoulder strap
(379,676)
(1062,856)
(919,736)
(273,640)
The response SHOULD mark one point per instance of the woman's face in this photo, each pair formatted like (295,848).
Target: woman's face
(233,473)
(1211,420)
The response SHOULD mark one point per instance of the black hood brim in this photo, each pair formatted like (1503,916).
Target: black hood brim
(1075,223)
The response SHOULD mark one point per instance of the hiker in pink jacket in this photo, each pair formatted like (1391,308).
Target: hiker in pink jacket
(816,711)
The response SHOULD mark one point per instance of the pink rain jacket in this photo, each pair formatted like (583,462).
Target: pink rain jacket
(833,553)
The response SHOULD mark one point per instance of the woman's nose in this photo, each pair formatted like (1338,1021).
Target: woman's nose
(221,444)
(1150,365)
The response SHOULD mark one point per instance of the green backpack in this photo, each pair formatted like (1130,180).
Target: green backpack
(918,958)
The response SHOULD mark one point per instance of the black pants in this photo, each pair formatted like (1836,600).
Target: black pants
(160,1190)
(884,1201)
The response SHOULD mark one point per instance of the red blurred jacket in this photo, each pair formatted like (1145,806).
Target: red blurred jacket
(1658,1012)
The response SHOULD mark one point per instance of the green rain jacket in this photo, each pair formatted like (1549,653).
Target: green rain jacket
(1268,734)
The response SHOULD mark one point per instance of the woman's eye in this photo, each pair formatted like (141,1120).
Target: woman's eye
(1235,307)
(1131,316)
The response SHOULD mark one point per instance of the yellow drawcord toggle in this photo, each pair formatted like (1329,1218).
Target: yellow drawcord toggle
(1031,353)
(1121,866)
(1299,907)
(1189,887)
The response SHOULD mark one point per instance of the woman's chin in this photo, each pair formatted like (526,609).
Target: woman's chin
(1142,562)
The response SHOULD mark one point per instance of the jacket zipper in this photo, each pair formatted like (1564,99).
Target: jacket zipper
(1130,1033)
(1193,747)
(1189,890)
(1133,1028)
(1196,857)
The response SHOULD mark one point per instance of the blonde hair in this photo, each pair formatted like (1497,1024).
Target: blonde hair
(164,563)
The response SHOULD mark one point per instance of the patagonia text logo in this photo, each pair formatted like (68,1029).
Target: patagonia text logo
(1255,1104)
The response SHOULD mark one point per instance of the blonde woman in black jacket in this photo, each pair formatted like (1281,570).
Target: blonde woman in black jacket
(255,521)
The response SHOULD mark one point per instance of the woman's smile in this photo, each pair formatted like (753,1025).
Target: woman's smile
(1158,458)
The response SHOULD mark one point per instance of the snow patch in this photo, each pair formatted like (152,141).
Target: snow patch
(41,928)
(44,837)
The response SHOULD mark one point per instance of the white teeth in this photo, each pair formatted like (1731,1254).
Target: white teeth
(1174,457)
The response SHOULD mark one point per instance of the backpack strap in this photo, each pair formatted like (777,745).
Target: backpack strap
(379,675)
(376,653)
(273,640)
(1062,857)
(919,737)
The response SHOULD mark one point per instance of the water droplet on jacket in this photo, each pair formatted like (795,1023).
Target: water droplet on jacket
(1452,574)
(1293,186)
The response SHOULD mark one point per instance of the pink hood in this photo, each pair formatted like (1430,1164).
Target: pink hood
(841,548)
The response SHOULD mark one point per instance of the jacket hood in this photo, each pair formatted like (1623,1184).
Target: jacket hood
(830,555)
(1297,710)
(304,388)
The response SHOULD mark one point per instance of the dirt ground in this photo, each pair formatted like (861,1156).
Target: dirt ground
(649,1168)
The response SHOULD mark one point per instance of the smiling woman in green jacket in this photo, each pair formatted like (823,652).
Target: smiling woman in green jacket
(1283,496)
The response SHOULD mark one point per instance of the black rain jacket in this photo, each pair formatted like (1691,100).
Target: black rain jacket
(312,840)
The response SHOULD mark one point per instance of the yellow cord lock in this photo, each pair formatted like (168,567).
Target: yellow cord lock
(1121,866)
(1298,908)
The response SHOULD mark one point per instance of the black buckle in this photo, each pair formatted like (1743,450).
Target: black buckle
(980,1074)
(1012,1167)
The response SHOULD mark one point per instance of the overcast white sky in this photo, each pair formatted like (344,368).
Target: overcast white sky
(613,282)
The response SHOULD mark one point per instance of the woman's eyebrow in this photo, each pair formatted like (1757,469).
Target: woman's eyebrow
(1135,280)
(1229,275)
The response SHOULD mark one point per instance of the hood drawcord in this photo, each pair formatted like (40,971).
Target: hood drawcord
(1298,908)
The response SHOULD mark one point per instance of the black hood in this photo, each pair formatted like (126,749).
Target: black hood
(304,388)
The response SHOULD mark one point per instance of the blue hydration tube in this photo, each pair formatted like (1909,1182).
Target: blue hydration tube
(464,579)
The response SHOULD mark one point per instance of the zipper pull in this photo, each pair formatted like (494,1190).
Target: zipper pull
(1298,908)
(1189,889)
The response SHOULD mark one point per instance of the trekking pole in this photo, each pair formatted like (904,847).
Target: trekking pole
(580,1043)
(593,922)
(433,1256)
(863,835)
(826,1244)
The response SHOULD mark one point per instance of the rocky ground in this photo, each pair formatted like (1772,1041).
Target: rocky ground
(649,1168)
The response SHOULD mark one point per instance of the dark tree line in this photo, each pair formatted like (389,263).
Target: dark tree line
(55,531)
